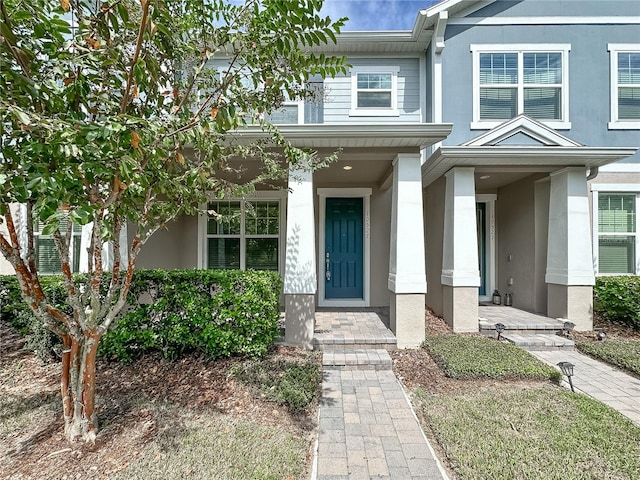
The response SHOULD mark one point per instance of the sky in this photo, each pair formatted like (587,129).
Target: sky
(376,14)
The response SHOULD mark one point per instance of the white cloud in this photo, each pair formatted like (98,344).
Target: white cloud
(376,14)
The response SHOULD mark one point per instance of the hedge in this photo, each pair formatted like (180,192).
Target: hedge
(617,299)
(172,312)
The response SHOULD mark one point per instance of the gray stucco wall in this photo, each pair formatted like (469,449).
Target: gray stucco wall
(433,201)
(174,247)
(515,225)
(589,64)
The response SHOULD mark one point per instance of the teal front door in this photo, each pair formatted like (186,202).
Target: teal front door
(481,225)
(343,256)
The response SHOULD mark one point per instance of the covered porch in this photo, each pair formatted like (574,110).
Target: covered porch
(514,207)
(354,230)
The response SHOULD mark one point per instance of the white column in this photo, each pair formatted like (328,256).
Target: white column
(407,275)
(300,283)
(569,258)
(460,273)
(570,274)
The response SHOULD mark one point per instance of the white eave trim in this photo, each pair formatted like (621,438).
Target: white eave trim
(553,157)
(418,135)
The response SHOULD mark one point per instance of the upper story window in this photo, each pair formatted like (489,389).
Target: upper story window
(374,91)
(625,86)
(243,234)
(509,80)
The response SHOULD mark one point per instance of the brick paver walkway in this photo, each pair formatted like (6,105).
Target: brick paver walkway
(600,381)
(367,428)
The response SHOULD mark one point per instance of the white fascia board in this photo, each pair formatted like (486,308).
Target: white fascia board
(445,158)
(348,135)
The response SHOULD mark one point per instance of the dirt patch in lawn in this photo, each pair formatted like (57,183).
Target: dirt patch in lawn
(136,403)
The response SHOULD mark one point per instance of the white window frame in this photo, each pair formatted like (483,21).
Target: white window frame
(613,188)
(75,237)
(392,111)
(520,49)
(614,49)
(280,197)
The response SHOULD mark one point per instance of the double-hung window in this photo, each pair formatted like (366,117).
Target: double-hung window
(374,91)
(243,234)
(510,80)
(625,86)
(47,258)
(617,240)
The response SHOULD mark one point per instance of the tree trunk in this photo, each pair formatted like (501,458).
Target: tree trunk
(78,386)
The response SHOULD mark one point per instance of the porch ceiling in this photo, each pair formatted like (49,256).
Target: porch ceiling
(514,161)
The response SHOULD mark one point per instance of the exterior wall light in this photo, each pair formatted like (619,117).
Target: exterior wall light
(500,327)
(567,369)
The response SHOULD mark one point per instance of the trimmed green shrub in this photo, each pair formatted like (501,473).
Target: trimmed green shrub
(45,344)
(217,312)
(622,353)
(172,312)
(467,357)
(617,299)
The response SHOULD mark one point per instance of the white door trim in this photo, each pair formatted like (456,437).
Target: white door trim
(365,194)
(490,241)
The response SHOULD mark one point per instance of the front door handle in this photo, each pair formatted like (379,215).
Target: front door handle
(327,269)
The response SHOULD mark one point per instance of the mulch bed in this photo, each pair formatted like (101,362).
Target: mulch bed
(131,406)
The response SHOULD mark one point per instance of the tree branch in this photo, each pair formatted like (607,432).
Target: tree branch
(136,55)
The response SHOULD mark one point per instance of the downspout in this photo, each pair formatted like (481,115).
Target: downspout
(593,173)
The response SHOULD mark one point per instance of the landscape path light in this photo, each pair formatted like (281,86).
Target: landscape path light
(567,369)
(500,327)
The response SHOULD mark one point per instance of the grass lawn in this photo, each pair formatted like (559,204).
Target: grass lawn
(213,445)
(466,357)
(495,415)
(542,432)
(622,353)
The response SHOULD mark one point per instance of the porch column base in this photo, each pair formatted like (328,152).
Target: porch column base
(460,308)
(299,320)
(573,302)
(406,318)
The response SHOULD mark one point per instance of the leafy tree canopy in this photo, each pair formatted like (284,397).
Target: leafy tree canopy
(129,111)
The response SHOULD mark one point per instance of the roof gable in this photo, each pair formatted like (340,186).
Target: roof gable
(522,130)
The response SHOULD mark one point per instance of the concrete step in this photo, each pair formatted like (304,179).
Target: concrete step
(356,359)
(539,341)
(541,325)
(327,340)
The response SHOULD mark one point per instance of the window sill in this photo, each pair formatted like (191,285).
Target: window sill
(621,125)
(488,125)
(374,113)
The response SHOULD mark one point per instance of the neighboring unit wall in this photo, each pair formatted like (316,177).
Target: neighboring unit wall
(515,212)
(589,61)
(434,196)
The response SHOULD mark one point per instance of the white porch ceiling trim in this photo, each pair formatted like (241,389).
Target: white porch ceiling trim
(523,157)
(416,135)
